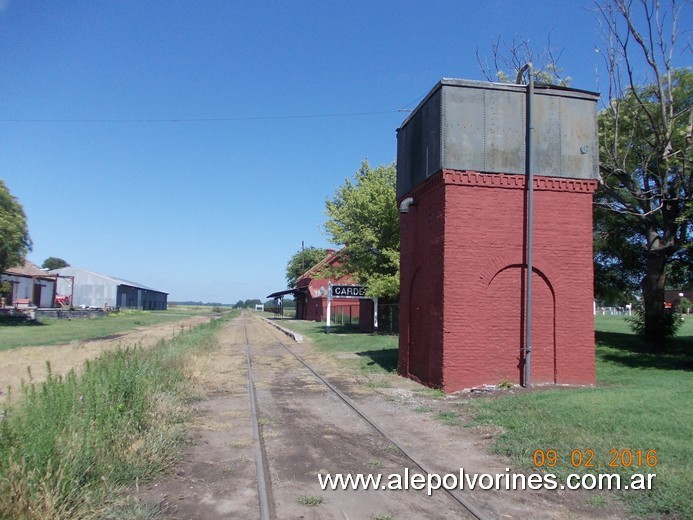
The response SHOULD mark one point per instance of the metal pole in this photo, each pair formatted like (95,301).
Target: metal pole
(529,171)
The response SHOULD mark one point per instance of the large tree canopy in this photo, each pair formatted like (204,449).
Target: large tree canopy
(363,217)
(15,242)
(642,220)
(643,217)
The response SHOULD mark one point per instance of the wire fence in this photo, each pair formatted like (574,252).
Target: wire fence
(388,318)
(347,314)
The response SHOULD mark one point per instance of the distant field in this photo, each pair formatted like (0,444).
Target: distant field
(53,332)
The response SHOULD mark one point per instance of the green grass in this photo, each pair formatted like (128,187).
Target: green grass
(433,393)
(375,353)
(53,332)
(310,500)
(641,402)
(70,443)
(449,418)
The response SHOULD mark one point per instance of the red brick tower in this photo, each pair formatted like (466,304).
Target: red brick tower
(462,190)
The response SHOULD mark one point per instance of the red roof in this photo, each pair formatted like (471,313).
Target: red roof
(314,284)
(28,269)
(332,258)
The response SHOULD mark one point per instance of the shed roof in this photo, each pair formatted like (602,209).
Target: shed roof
(279,294)
(331,258)
(29,269)
(75,271)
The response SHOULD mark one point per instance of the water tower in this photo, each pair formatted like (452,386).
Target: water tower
(471,224)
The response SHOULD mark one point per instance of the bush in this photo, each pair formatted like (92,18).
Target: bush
(671,321)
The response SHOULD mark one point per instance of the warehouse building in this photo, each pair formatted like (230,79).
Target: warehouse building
(89,289)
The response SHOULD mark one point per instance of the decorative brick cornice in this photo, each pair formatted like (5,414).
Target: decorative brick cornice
(503,180)
(426,186)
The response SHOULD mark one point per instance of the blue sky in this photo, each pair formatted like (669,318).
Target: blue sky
(190,145)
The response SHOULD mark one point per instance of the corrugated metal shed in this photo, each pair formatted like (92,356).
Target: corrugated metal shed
(481,126)
(96,290)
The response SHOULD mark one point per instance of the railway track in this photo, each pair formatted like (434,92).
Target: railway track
(277,416)
(317,419)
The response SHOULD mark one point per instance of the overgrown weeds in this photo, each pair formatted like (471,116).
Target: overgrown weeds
(71,441)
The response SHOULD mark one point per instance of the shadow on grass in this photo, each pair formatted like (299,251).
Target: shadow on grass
(343,330)
(385,359)
(677,353)
(17,321)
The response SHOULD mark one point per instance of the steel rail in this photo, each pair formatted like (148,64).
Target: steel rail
(454,494)
(263,485)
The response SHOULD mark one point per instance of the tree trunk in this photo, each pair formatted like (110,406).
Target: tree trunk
(653,301)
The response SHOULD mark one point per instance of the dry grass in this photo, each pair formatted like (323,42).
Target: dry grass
(69,442)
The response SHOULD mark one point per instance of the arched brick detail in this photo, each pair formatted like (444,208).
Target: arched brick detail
(504,302)
(467,232)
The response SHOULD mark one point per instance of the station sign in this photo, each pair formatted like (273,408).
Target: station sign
(348,291)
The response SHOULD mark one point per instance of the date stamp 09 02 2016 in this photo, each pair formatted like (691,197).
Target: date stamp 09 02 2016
(617,458)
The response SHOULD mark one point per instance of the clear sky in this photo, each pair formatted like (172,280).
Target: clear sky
(190,145)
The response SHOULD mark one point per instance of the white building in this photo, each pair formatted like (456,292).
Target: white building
(27,285)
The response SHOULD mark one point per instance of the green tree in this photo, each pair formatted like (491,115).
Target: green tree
(301,261)
(645,149)
(52,262)
(15,242)
(618,265)
(363,216)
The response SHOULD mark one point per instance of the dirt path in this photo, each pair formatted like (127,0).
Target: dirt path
(16,364)
(307,430)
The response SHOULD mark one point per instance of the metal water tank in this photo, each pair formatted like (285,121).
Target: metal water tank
(481,126)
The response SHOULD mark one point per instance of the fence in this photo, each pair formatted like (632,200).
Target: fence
(613,311)
(348,314)
(388,318)
(345,314)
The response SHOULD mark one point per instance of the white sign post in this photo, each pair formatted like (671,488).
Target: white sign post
(329,306)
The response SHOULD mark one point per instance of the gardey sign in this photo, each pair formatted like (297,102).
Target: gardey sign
(348,291)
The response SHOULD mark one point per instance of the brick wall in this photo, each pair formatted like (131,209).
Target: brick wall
(422,234)
(462,281)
